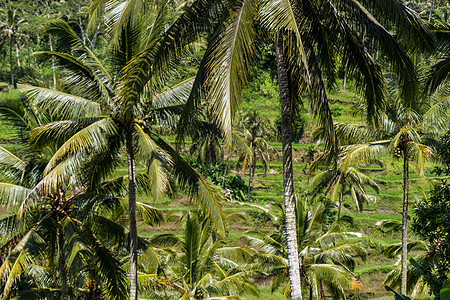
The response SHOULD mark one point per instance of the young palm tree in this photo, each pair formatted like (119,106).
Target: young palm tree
(335,181)
(202,267)
(256,130)
(326,259)
(99,113)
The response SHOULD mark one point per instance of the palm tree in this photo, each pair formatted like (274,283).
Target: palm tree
(91,92)
(52,225)
(256,130)
(326,258)
(203,267)
(335,181)
(9,27)
(406,128)
(309,34)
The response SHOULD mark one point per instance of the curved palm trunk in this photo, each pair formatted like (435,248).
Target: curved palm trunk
(132,214)
(288,176)
(405,224)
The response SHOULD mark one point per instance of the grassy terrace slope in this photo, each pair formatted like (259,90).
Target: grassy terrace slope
(267,193)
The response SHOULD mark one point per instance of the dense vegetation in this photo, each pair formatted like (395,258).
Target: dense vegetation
(224,149)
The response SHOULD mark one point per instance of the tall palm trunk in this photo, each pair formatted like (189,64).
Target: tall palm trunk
(288,176)
(11,38)
(132,213)
(405,223)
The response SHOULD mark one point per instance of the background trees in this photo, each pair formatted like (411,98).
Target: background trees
(10,26)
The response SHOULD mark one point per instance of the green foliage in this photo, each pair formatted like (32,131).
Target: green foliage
(443,151)
(237,186)
(432,223)
(336,109)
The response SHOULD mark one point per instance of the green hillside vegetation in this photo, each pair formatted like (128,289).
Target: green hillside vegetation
(267,193)
(144,149)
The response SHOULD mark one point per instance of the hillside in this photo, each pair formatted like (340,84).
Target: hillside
(267,193)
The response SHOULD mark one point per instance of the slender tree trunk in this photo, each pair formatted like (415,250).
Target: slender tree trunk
(29,55)
(288,176)
(307,183)
(62,263)
(11,62)
(17,56)
(341,195)
(310,292)
(94,39)
(226,170)
(53,61)
(254,161)
(321,291)
(405,223)
(132,214)
(36,66)
(431,10)
(249,182)
(345,74)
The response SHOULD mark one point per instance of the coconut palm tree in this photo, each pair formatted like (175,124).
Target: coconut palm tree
(406,128)
(99,113)
(335,181)
(309,37)
(326,258)
(9,28)
(56,238)
(204,268)
(256,129)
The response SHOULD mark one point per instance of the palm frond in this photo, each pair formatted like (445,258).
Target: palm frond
(12,195)
(204,192)
(11,167)
(62,105)
(150,214)
(227,63)
(92,137)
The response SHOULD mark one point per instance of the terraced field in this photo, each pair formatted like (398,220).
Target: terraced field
(267,194)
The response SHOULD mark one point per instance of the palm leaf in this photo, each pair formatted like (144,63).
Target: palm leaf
(62,105)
